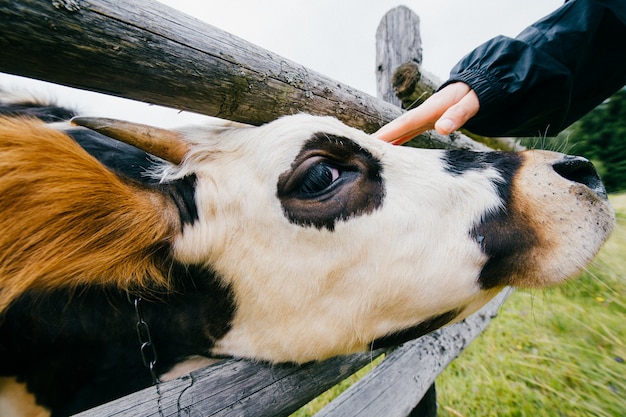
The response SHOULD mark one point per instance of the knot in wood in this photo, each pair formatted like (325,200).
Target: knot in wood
(405,78)
(69,5)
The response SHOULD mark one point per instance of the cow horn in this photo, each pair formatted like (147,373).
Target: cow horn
(163,143)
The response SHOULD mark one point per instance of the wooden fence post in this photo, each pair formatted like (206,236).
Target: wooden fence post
(399,45)
(398,41)
(400,80)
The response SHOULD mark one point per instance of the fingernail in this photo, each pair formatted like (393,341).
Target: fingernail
(445,126)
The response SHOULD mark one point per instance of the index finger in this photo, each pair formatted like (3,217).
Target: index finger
(422,118)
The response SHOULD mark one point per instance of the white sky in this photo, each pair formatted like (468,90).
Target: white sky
(335,38)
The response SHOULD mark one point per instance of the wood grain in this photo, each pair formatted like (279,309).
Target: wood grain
(238,387)
(146,51)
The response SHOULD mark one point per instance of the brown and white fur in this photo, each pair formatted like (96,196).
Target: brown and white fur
(295,241)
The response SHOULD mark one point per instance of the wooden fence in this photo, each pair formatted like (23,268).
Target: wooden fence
(146,51)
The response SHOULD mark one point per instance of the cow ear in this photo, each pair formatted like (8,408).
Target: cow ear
(163,143)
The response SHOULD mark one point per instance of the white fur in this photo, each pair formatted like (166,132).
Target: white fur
(304,293)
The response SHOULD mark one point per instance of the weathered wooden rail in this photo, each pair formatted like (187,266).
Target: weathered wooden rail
(146,51)
(242,388)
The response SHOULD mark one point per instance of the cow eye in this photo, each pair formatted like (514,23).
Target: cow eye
(318,178)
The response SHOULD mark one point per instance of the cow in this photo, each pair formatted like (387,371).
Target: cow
(294,241)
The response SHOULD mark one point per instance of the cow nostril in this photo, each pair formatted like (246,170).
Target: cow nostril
(580,170)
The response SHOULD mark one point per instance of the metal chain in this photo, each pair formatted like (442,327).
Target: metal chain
(147,348)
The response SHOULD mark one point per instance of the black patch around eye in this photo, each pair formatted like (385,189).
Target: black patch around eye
(309,195)
(414,332)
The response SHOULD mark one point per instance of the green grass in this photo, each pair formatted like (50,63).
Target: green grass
(556,352)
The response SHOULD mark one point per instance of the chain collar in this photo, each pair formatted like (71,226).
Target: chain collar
(146,347)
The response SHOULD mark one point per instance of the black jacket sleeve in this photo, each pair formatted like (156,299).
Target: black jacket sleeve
(551,74)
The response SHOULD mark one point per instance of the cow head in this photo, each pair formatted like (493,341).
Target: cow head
(331,241)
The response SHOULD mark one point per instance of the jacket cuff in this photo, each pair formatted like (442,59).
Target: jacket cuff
(486,86)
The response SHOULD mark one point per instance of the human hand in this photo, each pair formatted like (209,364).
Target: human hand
(446,111)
